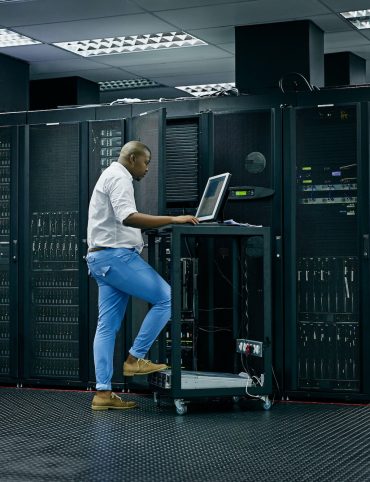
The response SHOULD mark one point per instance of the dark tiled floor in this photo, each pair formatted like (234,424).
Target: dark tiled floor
(48,435)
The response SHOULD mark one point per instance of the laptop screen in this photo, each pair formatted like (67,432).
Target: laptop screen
(213,198)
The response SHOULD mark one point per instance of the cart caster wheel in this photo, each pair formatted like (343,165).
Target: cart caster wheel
(266,405)
(181,408)
(156,399)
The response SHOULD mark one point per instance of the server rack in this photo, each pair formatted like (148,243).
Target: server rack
(9,348)
(55,278)
(106,137)
(248,144)
(325,165)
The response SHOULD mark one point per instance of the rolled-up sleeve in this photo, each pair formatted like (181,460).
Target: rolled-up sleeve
(121,195)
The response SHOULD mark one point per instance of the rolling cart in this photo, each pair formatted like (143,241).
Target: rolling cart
(187,256)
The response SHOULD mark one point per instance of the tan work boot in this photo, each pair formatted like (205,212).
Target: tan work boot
(113,402)
(142,367)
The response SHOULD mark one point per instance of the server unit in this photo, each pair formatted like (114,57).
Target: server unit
(9,254)
(325,185)
(55,281)
(160,257)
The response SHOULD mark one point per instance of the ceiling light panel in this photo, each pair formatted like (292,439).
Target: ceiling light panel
(132,43)
(12,39)
(206,89)
(126,84)
(358,18)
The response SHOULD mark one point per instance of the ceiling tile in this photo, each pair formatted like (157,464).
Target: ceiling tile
(363,51)
(218,35)
(103,75)
(63,66)
(37,53)
(46,11)
(346,5)
(197,79)
(331,23)
(365,32)
(230,47)
(344,40)
(184,68)
(204,52)
(245,13)
(159,5)
(96,28)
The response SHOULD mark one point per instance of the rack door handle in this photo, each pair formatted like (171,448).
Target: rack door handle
(365,246)
(15,250)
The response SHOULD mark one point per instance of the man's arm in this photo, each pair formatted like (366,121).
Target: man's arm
(146,221)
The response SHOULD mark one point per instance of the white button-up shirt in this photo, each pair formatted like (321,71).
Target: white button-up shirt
(112,201)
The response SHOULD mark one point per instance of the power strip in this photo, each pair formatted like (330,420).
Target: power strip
(249,347)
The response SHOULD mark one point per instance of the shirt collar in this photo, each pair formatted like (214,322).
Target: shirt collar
(123,169)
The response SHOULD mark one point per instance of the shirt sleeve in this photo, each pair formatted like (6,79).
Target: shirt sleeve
(121,195)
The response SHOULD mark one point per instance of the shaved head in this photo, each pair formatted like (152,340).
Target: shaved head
(135,157)
(133,147)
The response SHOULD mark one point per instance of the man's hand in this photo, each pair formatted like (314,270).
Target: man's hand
(147,221)
(185,219)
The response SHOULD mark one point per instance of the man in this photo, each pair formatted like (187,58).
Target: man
(115,242)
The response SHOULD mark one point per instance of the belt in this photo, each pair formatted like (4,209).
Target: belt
(91,250)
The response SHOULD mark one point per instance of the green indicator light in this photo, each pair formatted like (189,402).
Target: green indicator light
(307,181)
(240,193)
(306,168)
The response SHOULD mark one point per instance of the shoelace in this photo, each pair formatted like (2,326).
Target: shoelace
(113,395)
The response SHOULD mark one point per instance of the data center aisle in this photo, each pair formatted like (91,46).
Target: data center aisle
(54,436)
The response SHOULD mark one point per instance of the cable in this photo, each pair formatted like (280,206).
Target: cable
(259,381)
(214,309)
(247,368)
(187,247)
(225,92)
(214,331)
(277,383)
(295,83)
(246,299)
(225,277)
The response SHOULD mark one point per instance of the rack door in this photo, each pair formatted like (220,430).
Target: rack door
(323,195)
(106,138)
(56,279)
(8,254)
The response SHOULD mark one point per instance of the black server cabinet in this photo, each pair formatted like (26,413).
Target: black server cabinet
(188,166)
(180,165)
(9,352)
(55,282)
(148,128)
(106,138)
(105,141)
(325,185)
(248,145)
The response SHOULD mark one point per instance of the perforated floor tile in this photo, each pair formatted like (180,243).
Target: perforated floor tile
(54,436)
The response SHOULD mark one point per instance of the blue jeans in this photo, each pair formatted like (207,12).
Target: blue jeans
(120,273)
